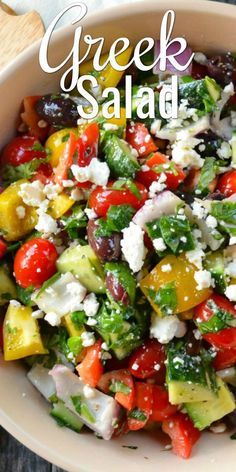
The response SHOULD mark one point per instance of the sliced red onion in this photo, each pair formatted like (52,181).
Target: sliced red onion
(182,59)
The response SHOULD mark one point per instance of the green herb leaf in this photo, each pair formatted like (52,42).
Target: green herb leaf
(117,386)
(65,138)
(208,173)
(24,171)
(221,319)
(118,218)
(75,345)
(176,233)
(75,221)
(24,294)
(78,319)
(122,184)
(137,414)
(165,298)
(225,213)
(77,401)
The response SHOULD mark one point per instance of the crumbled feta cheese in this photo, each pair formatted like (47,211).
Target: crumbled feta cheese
(196,256)
(32,193)
(198,209)
(37,314)
(165,329)
(159,244)
(88,339)
(157,186)
(231,269)
(230,292)
(166,268)
(51,190)
(211,222)
(89,392)
(15,303)
(224,152)
(184,153)
(155,126)
(200,58)
(133,247)
(145,168)
(77,195)
(54,319)
(90,213)
(68,183)
(46,224)
(110,127)
(91,322)
(20,211)
(90,305)
(104,346)
(203,279)
(96,172)
(232,240)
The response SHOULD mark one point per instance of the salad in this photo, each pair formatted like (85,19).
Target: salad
(118,257)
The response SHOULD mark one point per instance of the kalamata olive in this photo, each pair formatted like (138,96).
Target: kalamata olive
(209,145)
(222,68)
(116,290)
(193,345)
(106,248)
(57,110)
(216,196)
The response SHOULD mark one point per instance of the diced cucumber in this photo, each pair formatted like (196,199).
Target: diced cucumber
(7,287)
(83,263)
(228,375)
(65,417)
(204,413)
(215,263)
(119,157)
(201,94)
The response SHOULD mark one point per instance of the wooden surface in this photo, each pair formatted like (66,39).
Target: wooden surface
(14,457)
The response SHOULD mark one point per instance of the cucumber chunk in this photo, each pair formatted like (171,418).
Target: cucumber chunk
(7,287)
(65,417)
(215,263)
(119,157)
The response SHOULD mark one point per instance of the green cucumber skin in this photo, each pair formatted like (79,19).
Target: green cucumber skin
(119,158)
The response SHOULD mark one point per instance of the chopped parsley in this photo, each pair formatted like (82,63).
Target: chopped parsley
(165,298)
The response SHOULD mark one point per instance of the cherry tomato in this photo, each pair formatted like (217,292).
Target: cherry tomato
(182,433)
(226,338)
(227,183)
(125,378)
(3,248)
(147,360)
(91,369)
(44,173)
(173,177)
(138,136)
(31,118)
(87,145)
(162,408)
(139,416)
(35,262)
(22,149)
(225,358)
(101,199)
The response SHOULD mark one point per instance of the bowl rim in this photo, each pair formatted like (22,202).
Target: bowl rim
(110,13)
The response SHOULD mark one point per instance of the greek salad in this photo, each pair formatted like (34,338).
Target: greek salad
(118,256)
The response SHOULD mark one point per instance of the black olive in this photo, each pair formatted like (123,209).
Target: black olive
(106,248)
(57,110)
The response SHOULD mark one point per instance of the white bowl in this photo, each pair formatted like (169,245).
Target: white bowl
(208,26)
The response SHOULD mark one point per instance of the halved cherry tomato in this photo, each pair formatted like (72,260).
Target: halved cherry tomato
(225,358)
(182,433)
(115,377)
(35,262)
(44,173)
(226,338)
(227,183)
(162,408)
(31,118)
(87,145)
(138,136)
(22,149)
(140,414)
(91,369)
(66,160)
(174,176)
(101,199)
(3,248)
(147,360)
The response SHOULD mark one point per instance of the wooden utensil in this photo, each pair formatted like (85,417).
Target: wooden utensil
(17,32)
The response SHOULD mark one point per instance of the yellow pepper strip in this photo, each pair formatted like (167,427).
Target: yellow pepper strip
(21,336)
(120,122)
(71,327)
(12,226)
(60,205)
(56,144)
(109,77)
(182,275)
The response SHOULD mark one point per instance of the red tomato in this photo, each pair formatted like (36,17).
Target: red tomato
(101,199)
(173,177)
(227,183)
(21,150)
(44,174)
(35,262)
(225,358)
(87,145)
(31,118)
(3,248)
(124,376)
(182,433)
(162,408)
(91,369)
(226,338)
(66,160)
(138,136)
(142,406)
(147,360)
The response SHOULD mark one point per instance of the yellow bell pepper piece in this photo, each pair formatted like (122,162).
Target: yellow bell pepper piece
(72,329)
(11,225)
(56,144)
(7,287)
(182,275)
(121,122)
(108,77)
(60,205)
(21,336)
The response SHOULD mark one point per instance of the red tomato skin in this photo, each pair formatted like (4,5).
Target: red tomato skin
(162,409)
(226,338)
(101,199)
(227,183)
(138,136)
(31,118)
(3,249)
(148,177)
(143,361)
(144,402)
(35,262)
(123,375)
(44,174)
(182,433)
(19,151)
(225,358)
(91,369)
(87,145)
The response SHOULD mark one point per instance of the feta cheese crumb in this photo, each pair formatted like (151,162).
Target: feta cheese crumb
(88,339)
(37,314)
(155,127)
(165,329)
(211,222)
(88,392)
(157,186)
(96,172)
(110,127)
(224,152)
(54,319)
(183,151)
(230,292)
(133,247)
(20,211)
(203,279)
(159,244)
(90,305)
(104,346)
(200,58)
(166,268)
(51,190)
(46,224)
(90,213)
(232,240)
(32,193)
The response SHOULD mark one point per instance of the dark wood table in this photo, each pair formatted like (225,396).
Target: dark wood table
(14,457)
